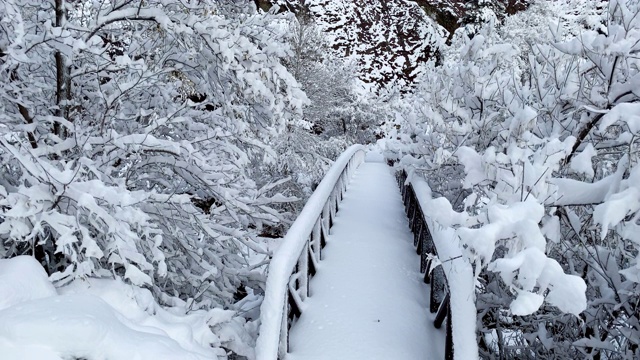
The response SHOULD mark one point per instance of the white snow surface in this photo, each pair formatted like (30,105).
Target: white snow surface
(99,320)
(368,300)
(374,155)
(582,162)
(79,326)
(23,279)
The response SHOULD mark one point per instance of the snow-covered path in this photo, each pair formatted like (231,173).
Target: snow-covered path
(367,300)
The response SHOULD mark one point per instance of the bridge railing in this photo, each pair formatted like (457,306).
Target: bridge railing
(295,261)
(444,268)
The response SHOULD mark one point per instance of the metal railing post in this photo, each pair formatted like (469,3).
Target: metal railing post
(425,247)
(448,346)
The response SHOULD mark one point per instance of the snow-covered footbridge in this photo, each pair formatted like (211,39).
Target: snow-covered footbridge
(346,282)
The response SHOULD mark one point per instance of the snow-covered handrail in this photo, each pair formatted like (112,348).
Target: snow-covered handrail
(296,260)
(451,277)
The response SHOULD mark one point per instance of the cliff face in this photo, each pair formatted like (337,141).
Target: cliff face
(448,13)
(390,39)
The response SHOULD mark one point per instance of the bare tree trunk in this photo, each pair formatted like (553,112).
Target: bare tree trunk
(25,113)
(62,91)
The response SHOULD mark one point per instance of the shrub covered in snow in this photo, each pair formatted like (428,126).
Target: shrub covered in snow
(128,131)
(546,129)
(125,138)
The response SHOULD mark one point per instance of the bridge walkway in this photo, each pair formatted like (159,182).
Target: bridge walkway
(368,300)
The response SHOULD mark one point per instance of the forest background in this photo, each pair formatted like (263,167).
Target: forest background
(153,152)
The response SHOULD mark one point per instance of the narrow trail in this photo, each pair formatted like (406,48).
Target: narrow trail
(368,300)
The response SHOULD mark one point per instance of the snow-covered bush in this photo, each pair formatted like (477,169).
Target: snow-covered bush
(127,130)
(335,115)
(547,131)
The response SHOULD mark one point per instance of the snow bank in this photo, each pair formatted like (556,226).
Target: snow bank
(104,319)
(81,326)
(285,259)
(457,269)
(188,329)
(22,279)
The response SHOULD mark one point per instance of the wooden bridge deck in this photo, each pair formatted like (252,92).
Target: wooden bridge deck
(368,300)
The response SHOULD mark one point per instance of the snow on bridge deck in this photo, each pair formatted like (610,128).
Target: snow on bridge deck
(368,300)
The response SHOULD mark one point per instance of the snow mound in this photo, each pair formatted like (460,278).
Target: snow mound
(22,279)
(80,326)
(374,155)
(190,329)
(103,319)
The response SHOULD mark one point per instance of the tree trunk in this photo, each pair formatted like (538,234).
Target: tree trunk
(62,89)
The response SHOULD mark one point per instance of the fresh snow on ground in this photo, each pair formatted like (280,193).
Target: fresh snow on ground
(22,279)
(100,320)
(368,300)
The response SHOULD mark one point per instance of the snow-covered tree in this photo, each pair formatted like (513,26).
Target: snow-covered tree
(387,40)
(127,128)
(479,12)
(335,115)
(545,129)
